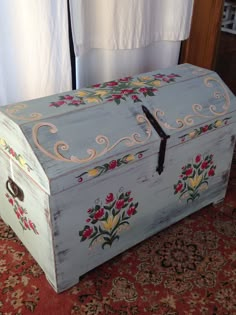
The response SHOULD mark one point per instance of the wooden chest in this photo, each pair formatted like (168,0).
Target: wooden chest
(89,173)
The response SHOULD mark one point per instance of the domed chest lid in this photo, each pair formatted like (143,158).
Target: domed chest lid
(76,130)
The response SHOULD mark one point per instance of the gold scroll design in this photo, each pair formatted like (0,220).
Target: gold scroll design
(188,120)
(129,141)
(14,110)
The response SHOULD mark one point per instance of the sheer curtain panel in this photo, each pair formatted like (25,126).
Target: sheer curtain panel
(34,50)
(114,38)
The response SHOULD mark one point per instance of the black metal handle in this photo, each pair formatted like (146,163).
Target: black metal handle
(163,136)
(14,189)
(161,157)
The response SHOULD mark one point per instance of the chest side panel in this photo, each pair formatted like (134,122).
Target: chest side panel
(27,213)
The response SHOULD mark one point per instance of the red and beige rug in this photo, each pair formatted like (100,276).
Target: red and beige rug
(187,269)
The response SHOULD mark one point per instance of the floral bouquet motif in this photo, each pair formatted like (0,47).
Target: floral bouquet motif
(106,221)
(21,214)
(195,177)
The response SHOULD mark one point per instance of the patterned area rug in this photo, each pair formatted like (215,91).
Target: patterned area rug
(189,268)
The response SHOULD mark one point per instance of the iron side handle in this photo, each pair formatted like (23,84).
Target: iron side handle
(14,190)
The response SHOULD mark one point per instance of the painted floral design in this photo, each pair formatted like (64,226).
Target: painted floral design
(21,214)
(114,164)
(117,91)
(19,158)
(107,219)
(203,129)
(195,177)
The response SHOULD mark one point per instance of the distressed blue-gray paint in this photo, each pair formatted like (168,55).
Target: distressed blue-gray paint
(58,203)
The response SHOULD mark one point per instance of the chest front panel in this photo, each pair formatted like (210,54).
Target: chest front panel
(98,219)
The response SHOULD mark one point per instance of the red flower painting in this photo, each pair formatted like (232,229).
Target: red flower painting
(131,211)
(99,214)
(189,171)
(120,204)
(179,187)
(112,164)
(198,158)
(109,198)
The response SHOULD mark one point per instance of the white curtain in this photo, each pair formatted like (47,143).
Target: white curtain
(34,49)
(114,38)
